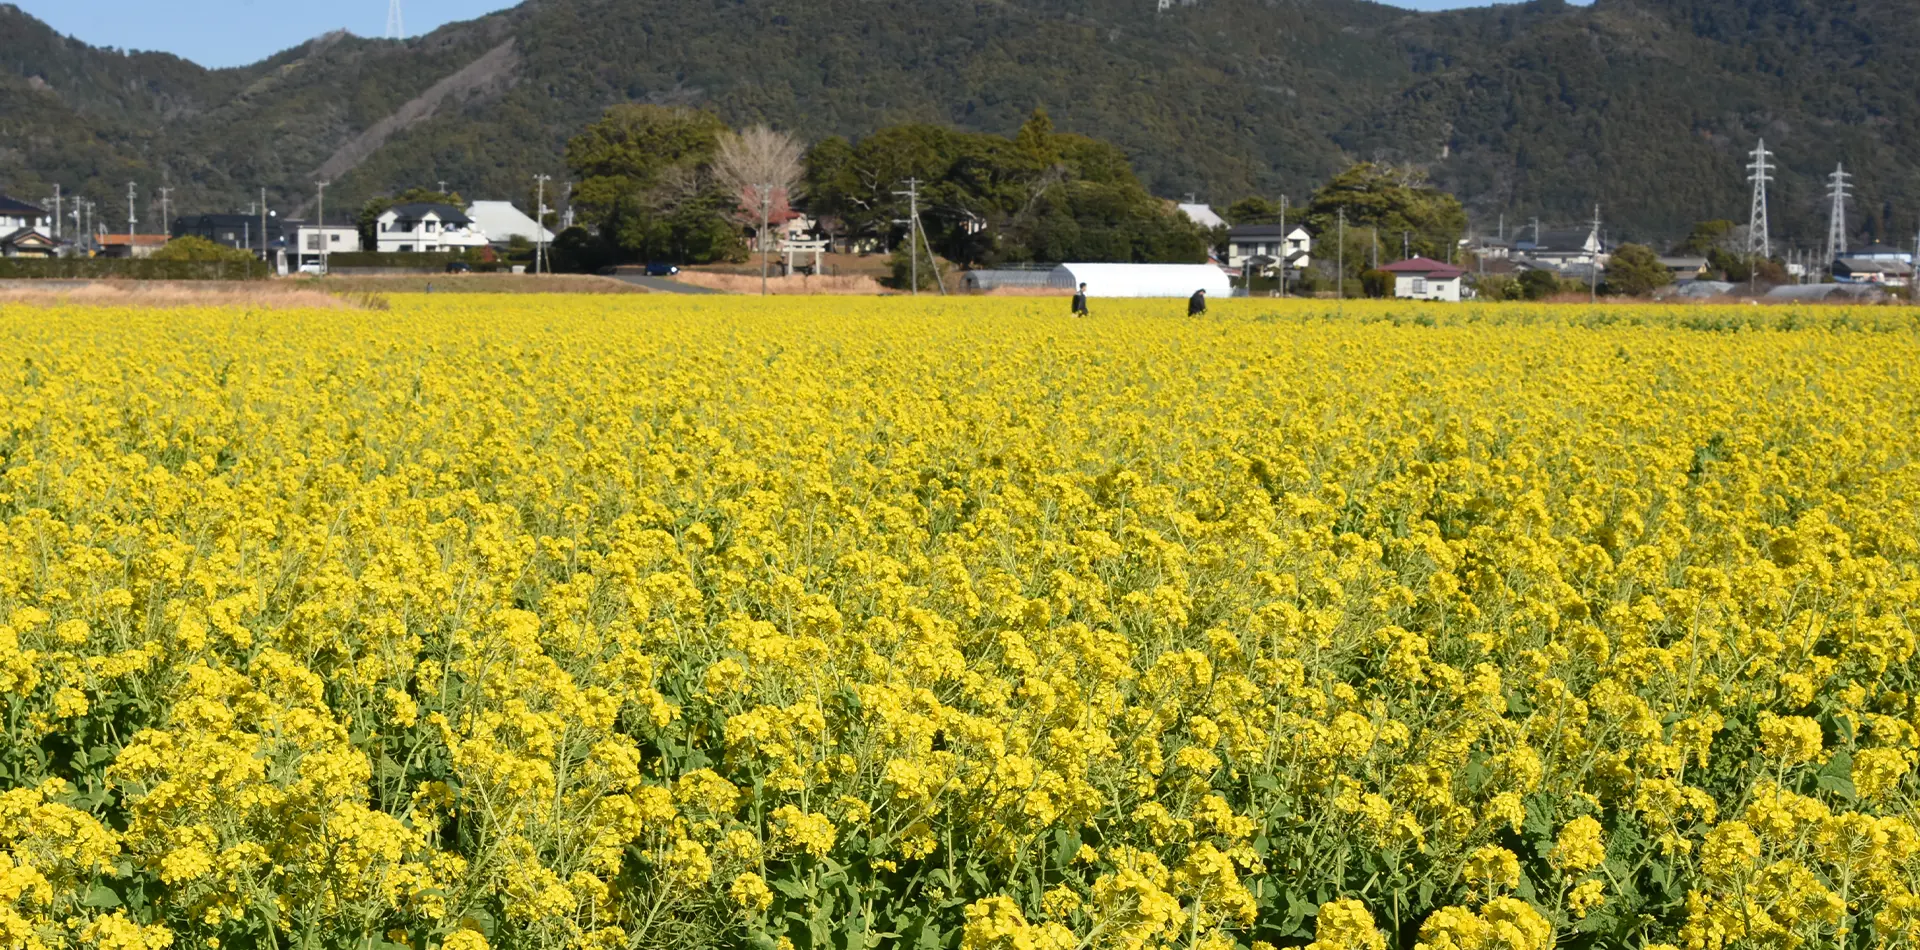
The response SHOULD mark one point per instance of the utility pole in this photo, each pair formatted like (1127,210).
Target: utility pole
(1536,234)
(1503,227)
(913,232)
(1376,247)
(441,184)
(766,222)
(131,220)
(321,187)
(1340,276)
(396,25)
(540,221)
(56,211)
(1593,270)
(1283,249)
(1406,246)
(1837,216)
(166,224)
(263,226)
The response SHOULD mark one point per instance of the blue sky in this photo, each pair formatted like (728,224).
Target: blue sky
(237,32)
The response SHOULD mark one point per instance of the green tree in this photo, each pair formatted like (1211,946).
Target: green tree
(1396,200)
(1253,210)
(1539,284)
(191,248)
(1376,283)
(1038,195)
(1706,237)
(645,183)
(1636,271)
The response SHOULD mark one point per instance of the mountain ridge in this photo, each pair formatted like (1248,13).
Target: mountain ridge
(1538,109)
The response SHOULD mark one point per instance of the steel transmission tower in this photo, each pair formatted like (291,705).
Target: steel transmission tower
(1837,218)
(1759,171)
(396,25)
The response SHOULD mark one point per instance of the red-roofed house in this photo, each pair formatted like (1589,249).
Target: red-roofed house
(131,245)
(1423,278)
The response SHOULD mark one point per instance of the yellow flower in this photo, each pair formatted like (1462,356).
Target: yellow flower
(1581,846)
(1790,739)
(750,891)
(1492,867)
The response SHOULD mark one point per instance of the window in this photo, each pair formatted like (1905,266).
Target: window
(429,227)
(313,242)
(1419,285)
(406,248)
(333,239)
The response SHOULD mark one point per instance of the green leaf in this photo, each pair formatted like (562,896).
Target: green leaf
(102,896)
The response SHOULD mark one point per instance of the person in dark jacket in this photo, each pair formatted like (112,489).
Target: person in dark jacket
(1197,304)
(1080,302)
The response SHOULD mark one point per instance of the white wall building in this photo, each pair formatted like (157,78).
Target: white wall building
(1142,280)
(424,227)
(1202,215)
(501,222)
(312,241)
(1277,242)
(1423,278)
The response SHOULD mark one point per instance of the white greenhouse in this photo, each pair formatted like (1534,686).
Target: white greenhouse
(1142,280)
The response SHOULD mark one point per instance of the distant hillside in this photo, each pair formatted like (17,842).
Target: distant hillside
(1533,110)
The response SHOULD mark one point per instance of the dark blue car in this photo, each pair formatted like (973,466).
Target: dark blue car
(662,269)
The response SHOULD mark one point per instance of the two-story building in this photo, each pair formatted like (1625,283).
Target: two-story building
(248,232)
(314,240)
(24,230)
(1561,250)
(1268,247)
(421,227)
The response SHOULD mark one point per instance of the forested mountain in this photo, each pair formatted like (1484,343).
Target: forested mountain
(1540,109)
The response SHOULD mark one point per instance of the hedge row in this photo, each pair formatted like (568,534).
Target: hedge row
(84,268)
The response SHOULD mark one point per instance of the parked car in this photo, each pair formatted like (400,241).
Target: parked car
(662,269)
(459,267)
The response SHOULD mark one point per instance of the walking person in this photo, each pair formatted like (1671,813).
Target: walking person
(1197,304)
(1080,302)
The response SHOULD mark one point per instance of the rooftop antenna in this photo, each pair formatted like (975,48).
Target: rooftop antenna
(1837,218)
(396,25)
(1759,171)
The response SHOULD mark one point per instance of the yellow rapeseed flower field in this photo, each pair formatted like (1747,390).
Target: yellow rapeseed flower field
(958,625)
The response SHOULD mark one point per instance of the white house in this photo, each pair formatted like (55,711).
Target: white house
(1202,215)
(1423,278)
(1142,280)
(501,222)
(313,241)
(1561,249)
(23,230)
(422,227)
(1271,244)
